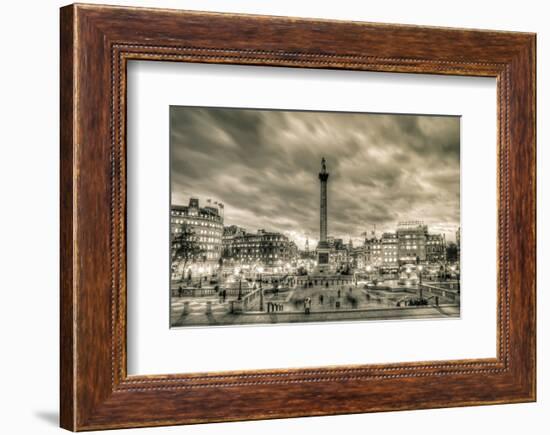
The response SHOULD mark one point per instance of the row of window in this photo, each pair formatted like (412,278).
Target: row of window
(248,256)
(256,240)
(205,246)
(253,245)
(239,249)
(412,236)
(206,216)
(196,222)
(209,232)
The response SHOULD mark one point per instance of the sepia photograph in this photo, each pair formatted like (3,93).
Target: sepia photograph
(285,216)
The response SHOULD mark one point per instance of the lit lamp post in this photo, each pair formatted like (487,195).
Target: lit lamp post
(420,268)
(201,271)
(369,270)
(220,274)
(288,271)
(260,271)
(239,273)
(240,294)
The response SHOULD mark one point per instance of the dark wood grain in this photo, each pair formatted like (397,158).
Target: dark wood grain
(67,350)
(96,44)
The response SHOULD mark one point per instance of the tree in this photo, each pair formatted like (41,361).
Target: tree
(185,249)
(452,252)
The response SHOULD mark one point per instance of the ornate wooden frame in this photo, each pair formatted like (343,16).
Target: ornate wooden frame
(96,44)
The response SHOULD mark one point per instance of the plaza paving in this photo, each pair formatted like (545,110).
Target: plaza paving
(354,305)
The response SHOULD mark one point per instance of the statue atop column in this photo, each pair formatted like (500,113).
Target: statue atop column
(323,175)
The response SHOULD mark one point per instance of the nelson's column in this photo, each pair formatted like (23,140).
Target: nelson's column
(323,249)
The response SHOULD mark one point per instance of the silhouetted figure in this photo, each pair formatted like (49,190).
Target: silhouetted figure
(307,305)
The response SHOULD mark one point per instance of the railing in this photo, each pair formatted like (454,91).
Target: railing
(247,302)
(194,292)
(251,299)
(235,291)
(452,294)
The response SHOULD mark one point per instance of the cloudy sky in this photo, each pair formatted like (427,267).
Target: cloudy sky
(264,164)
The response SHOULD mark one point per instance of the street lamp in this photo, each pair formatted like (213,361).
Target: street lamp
(220,274)
(240,294)
(201,271)
(420,268)
(260,271)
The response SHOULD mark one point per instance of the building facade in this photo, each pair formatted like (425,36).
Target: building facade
(411,243)
(390,251)
(340,255)
(373,252)
(267,248)
(412,238)
(229,233)
(435,248)
(203,225)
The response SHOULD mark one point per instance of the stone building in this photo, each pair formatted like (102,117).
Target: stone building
(435,248)
(358,256)
(203,224)
(340,254)
(267,248)
(373,252)
(389,253)
(229,233)
(412,236)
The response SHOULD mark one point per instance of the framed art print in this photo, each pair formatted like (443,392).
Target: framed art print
(225,273)
(310,217)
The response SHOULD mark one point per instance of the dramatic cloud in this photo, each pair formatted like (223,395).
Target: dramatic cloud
(263,165)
